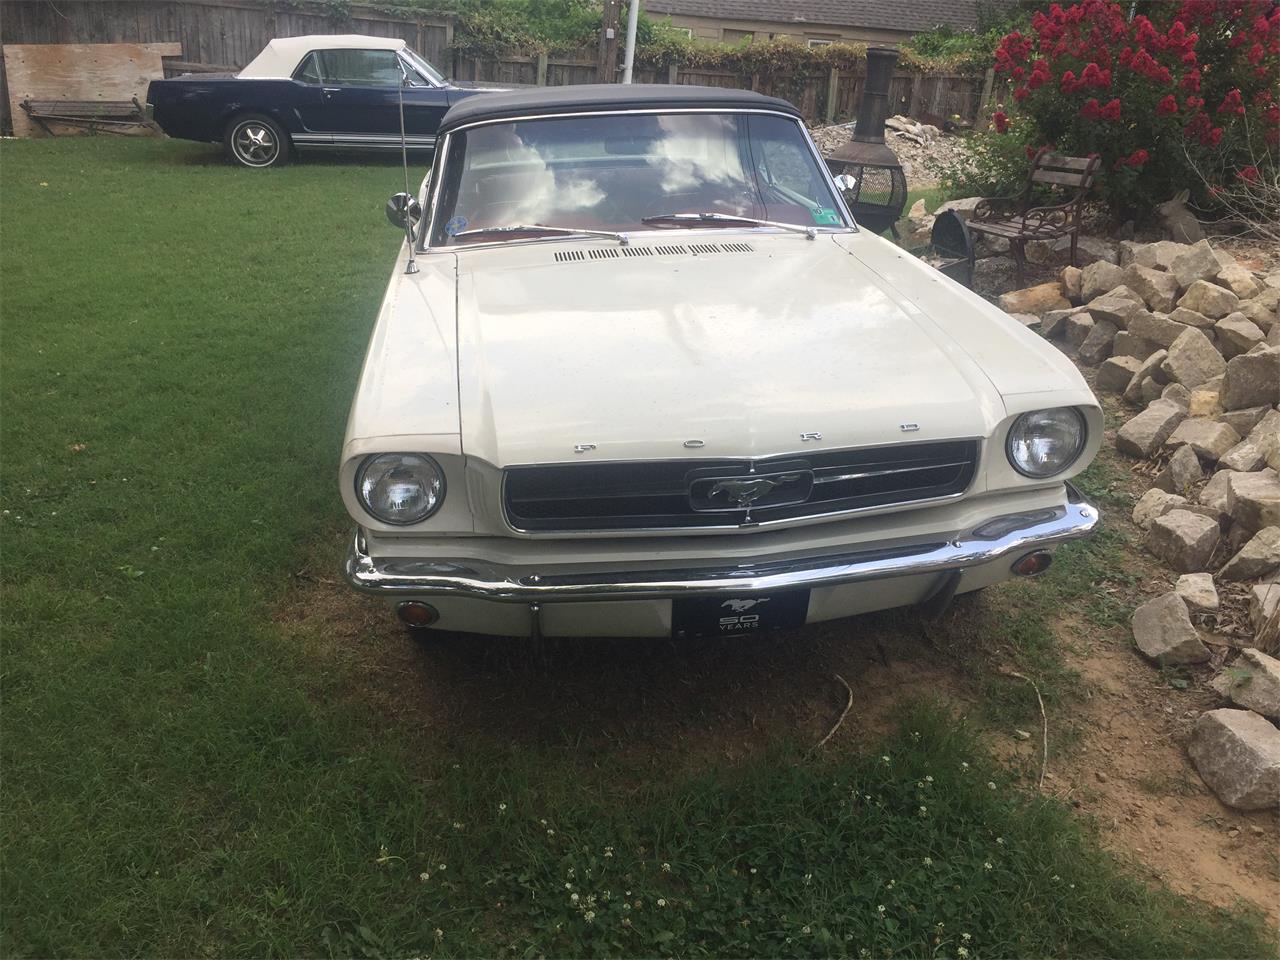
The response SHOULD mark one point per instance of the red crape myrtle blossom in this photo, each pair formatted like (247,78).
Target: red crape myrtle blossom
(1193,75)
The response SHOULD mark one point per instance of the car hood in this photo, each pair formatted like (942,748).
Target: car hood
(723,347)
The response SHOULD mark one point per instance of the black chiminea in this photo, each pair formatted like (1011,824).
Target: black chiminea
(879,192)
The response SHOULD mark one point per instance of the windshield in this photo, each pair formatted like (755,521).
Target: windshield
(614,172)
(424,68)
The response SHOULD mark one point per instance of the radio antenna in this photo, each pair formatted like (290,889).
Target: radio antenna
(412,265)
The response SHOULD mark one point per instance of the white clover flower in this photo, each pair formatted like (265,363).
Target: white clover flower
(626,907)
(1000,840)
(439,934)
(885,759)
(424,876)
(928,861)
(543,822)
(753,869)
(991,785)
(502,808)
(988,866)
(804,930)
(443,866)
(881,909)
(626,921)
(608,851)
(961,952)
(662,902)
(928,779)
(550,832)
(573,897)
(923,811)
(1055,878)
(666,868)
(589,916)
(808,878)
(457,825)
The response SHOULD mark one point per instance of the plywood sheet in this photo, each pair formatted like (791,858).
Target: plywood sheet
(79,71)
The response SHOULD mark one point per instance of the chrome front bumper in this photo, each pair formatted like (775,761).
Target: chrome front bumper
(1009,536)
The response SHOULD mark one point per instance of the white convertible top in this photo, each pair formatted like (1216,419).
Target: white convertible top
(280,58)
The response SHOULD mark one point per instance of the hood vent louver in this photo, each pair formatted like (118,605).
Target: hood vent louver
(666,250)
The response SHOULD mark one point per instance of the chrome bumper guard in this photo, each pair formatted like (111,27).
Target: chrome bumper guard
(1011,535)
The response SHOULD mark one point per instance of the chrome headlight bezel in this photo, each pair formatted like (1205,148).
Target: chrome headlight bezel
(1070,417)
(426,469)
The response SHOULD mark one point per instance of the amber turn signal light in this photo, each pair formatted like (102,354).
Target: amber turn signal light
(1033,563)
(415,613)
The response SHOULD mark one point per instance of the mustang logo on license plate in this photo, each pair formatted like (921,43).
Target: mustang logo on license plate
(723,617)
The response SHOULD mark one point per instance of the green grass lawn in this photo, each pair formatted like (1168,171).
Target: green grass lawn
(180,342)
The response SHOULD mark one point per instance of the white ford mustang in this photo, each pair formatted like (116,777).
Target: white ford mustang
(640,374)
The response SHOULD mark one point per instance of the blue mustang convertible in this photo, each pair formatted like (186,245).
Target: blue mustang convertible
(321,91)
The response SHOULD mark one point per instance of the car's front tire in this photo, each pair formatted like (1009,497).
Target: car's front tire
(254,140)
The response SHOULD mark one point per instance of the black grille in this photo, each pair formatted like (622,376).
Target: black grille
(701,493)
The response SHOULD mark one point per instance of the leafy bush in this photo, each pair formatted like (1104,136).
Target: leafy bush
(1153,97)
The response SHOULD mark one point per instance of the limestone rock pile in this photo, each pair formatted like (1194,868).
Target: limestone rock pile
(1190,339)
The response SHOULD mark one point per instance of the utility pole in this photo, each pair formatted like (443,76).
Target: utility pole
(633,15)
(607,67)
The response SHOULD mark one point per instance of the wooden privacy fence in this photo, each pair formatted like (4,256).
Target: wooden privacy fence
(224,35)
(826,96)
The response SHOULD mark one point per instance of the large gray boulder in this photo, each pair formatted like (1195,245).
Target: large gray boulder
(1146,433)
(1183,472)
(1214,493)
(1099,277)
(1096,346)
(1158,290)
(1150,370)
(1127,344)
(1208,438)
(1162,254)
(1162,631)
(1239,281)
(1252,379)
(1242,421)
(1052,324)
(1246,456)
(1237,334)
(1209,299)
(1197,263)
(1264,605)
(1115,307)
(1155,327)
(1252,682)
(1115,373)
(1077,327)
(1253,499)
(1237,753)
(1197,592)
(1257,558)
(1192,359)
(1191,319)
(1155,503)
(1184,540)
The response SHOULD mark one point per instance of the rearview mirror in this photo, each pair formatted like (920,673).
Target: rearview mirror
(404,211)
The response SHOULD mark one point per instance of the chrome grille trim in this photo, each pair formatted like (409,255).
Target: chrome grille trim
(658,494)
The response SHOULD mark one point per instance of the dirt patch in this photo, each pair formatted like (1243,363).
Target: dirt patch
(652,699)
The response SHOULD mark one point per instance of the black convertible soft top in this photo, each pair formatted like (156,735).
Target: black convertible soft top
(585,97)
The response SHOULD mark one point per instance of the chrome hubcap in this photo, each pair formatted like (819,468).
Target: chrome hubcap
(255,144)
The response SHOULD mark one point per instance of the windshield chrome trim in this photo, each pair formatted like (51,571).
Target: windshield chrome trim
(442,152)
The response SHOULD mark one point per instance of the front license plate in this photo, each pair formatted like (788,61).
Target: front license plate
(732,616)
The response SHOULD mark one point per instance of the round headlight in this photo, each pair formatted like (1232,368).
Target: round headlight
(400,488)
(1046,442)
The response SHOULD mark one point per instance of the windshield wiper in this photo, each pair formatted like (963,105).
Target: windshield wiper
(729,220)
(622,238)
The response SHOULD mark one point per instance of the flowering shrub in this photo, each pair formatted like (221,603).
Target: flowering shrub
(1194,88)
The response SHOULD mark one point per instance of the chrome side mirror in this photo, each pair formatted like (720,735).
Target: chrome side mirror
(846,182)
(404,212)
